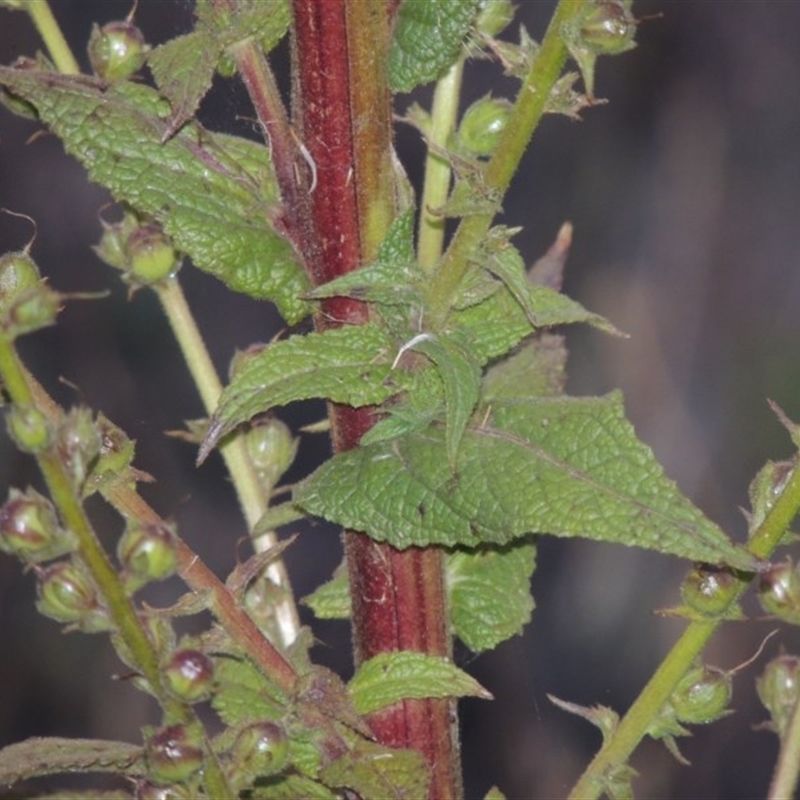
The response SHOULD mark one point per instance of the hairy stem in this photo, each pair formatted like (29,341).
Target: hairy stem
(528,110)
(343,111)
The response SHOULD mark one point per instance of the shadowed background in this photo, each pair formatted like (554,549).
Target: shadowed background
(684,196)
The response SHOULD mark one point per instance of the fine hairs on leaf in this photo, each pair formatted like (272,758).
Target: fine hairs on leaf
(441,355)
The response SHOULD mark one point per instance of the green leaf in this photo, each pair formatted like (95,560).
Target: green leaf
(427,39)
(461,378)
(290,787)
(536,369)
(375,772)
(183,69)
(264,20)
(54,755)
(389,678)
(243,694)
(499,322)
(489,593)
(350,365)
(332,599)
(563,466)
(214,195)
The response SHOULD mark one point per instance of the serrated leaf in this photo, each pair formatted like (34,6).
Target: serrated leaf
(350,365)
(290,787)
(332,599)
(536,369)
(427,39)
(53,755)
(243,694)
(264,20)
(215,195)
(563,466)
(183,69)
(389,678)
(499,322)
(375,772)
(461,378)
(489,593)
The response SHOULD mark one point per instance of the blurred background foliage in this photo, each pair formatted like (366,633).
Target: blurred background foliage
(684,194)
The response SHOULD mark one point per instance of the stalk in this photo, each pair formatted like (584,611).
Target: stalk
(343,113)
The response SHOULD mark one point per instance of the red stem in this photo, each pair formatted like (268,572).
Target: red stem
(343,112)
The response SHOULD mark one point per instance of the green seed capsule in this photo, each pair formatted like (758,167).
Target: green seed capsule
(116,50)
(174,754)
(147,553)
(29,428)
(779,592)
(34,308)
(272,449)
(707,590)
(150,255)
(483,124)
(607,27)
(18,272)
(261,749)
(66,594)
(494,16)
(78,442)
(778,689)
(189,675)
(702,695)
(29,528)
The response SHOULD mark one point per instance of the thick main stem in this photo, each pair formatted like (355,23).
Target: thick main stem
(343,112)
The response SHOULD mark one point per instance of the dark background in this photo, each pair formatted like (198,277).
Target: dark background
(684,196)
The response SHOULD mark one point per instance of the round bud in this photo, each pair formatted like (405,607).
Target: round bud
(29,428)
(702,695)
(261,749)
(494,16)
(607,27)
(174,754)
(189,675)
(707,590)
(145,790)
(78,442)
(778,689)
(18,272)
(271,448)
(779,592)
(150,255)
(29,528)
(482,125)
(66,594)
(116,50)
(147,553)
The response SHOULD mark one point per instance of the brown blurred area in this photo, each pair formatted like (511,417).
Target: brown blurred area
(685,196)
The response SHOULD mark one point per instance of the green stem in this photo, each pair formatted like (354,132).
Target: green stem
(784,779)
(62,491)
(251,494)
(633,727)
(525,116)
(42,17)
(444,112)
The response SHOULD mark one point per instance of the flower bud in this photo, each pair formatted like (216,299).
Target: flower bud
(779,592)
(261,749)
(707,590)
(66,594)
(174,753)
(29,528)
(778,689)
(607,27)
(482,125)
(145,790)
(18,272)
(29,428)
(116,50)
(146,552)
(189,675)
(78,442)
(702,695)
